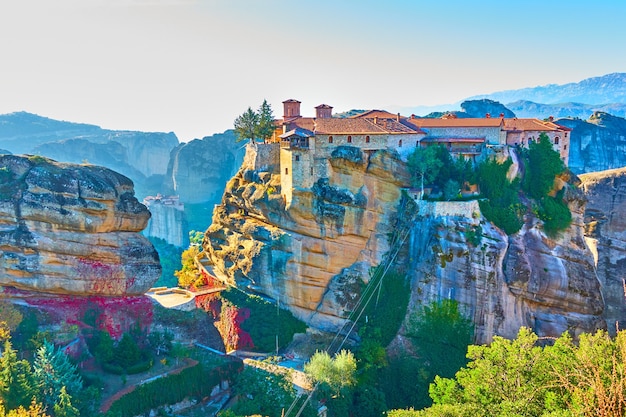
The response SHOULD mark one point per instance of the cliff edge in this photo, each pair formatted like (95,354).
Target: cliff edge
(72,229)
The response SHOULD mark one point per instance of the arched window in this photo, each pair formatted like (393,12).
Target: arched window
(367,139)
(349,139)
(286,171)
(330,139)
(311,170)
(556,140)
(400,143)
(417,143)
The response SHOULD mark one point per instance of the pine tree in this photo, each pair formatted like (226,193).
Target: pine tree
(246,125)
(52,371)
(16,384)
(63,407)
(265,126)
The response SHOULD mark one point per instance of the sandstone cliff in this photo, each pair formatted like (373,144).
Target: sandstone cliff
(72,229)
(605,231)
(315,255)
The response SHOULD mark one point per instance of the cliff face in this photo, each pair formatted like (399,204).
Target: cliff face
(72,229)
(316,254)
(503,282)
(596,144)
(167,222)
(198,170)
(605,231)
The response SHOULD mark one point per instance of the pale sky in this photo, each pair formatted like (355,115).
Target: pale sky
(192,67)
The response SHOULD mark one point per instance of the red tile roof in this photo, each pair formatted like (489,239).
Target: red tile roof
(529,124)
(370,114)
(443,123)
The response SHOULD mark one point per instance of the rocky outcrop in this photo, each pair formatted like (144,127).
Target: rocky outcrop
(605,231)
(72,229)
(316,254)
(199,170)
(168,220)
(504,282)
(597,144)
(479,108)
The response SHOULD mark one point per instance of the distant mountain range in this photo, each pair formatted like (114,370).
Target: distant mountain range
(606,93)
(610,88)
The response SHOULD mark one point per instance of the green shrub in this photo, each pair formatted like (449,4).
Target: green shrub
(555,215)
(139,367)
(387,308)
(266,321)
(196,381)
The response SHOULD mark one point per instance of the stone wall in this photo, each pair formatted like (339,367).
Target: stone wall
(493,135)
(263,157)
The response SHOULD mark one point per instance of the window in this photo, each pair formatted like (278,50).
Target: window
(311,170)
(367,139)
(330,139)
(556,140)
(349,139)
(286,171)
(400,143)
(417,143)
(564,147)
(297,158)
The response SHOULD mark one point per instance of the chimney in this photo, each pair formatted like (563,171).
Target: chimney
(551,119)
(398,117)
(501,115)
(488,116)
(412,116)
(375,120)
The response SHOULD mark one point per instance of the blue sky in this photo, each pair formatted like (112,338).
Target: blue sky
(192,66)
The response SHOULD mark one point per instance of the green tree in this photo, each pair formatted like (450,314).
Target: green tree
(63,407)
(441,334)
(246,125)
(127,352)
(16,383)
(508,377)
(261,392)
(53,370)
(543,164)
(338,372)
(265,127)
(424,166)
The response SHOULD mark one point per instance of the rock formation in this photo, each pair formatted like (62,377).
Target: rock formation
(316,254)
(137,155)
(605,231)
(168,220)
(72,229)
(503,282)
(597,144)
(198,170)
(329,238)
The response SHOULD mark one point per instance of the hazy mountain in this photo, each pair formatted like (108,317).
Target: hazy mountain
(525,108)
(610,88)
